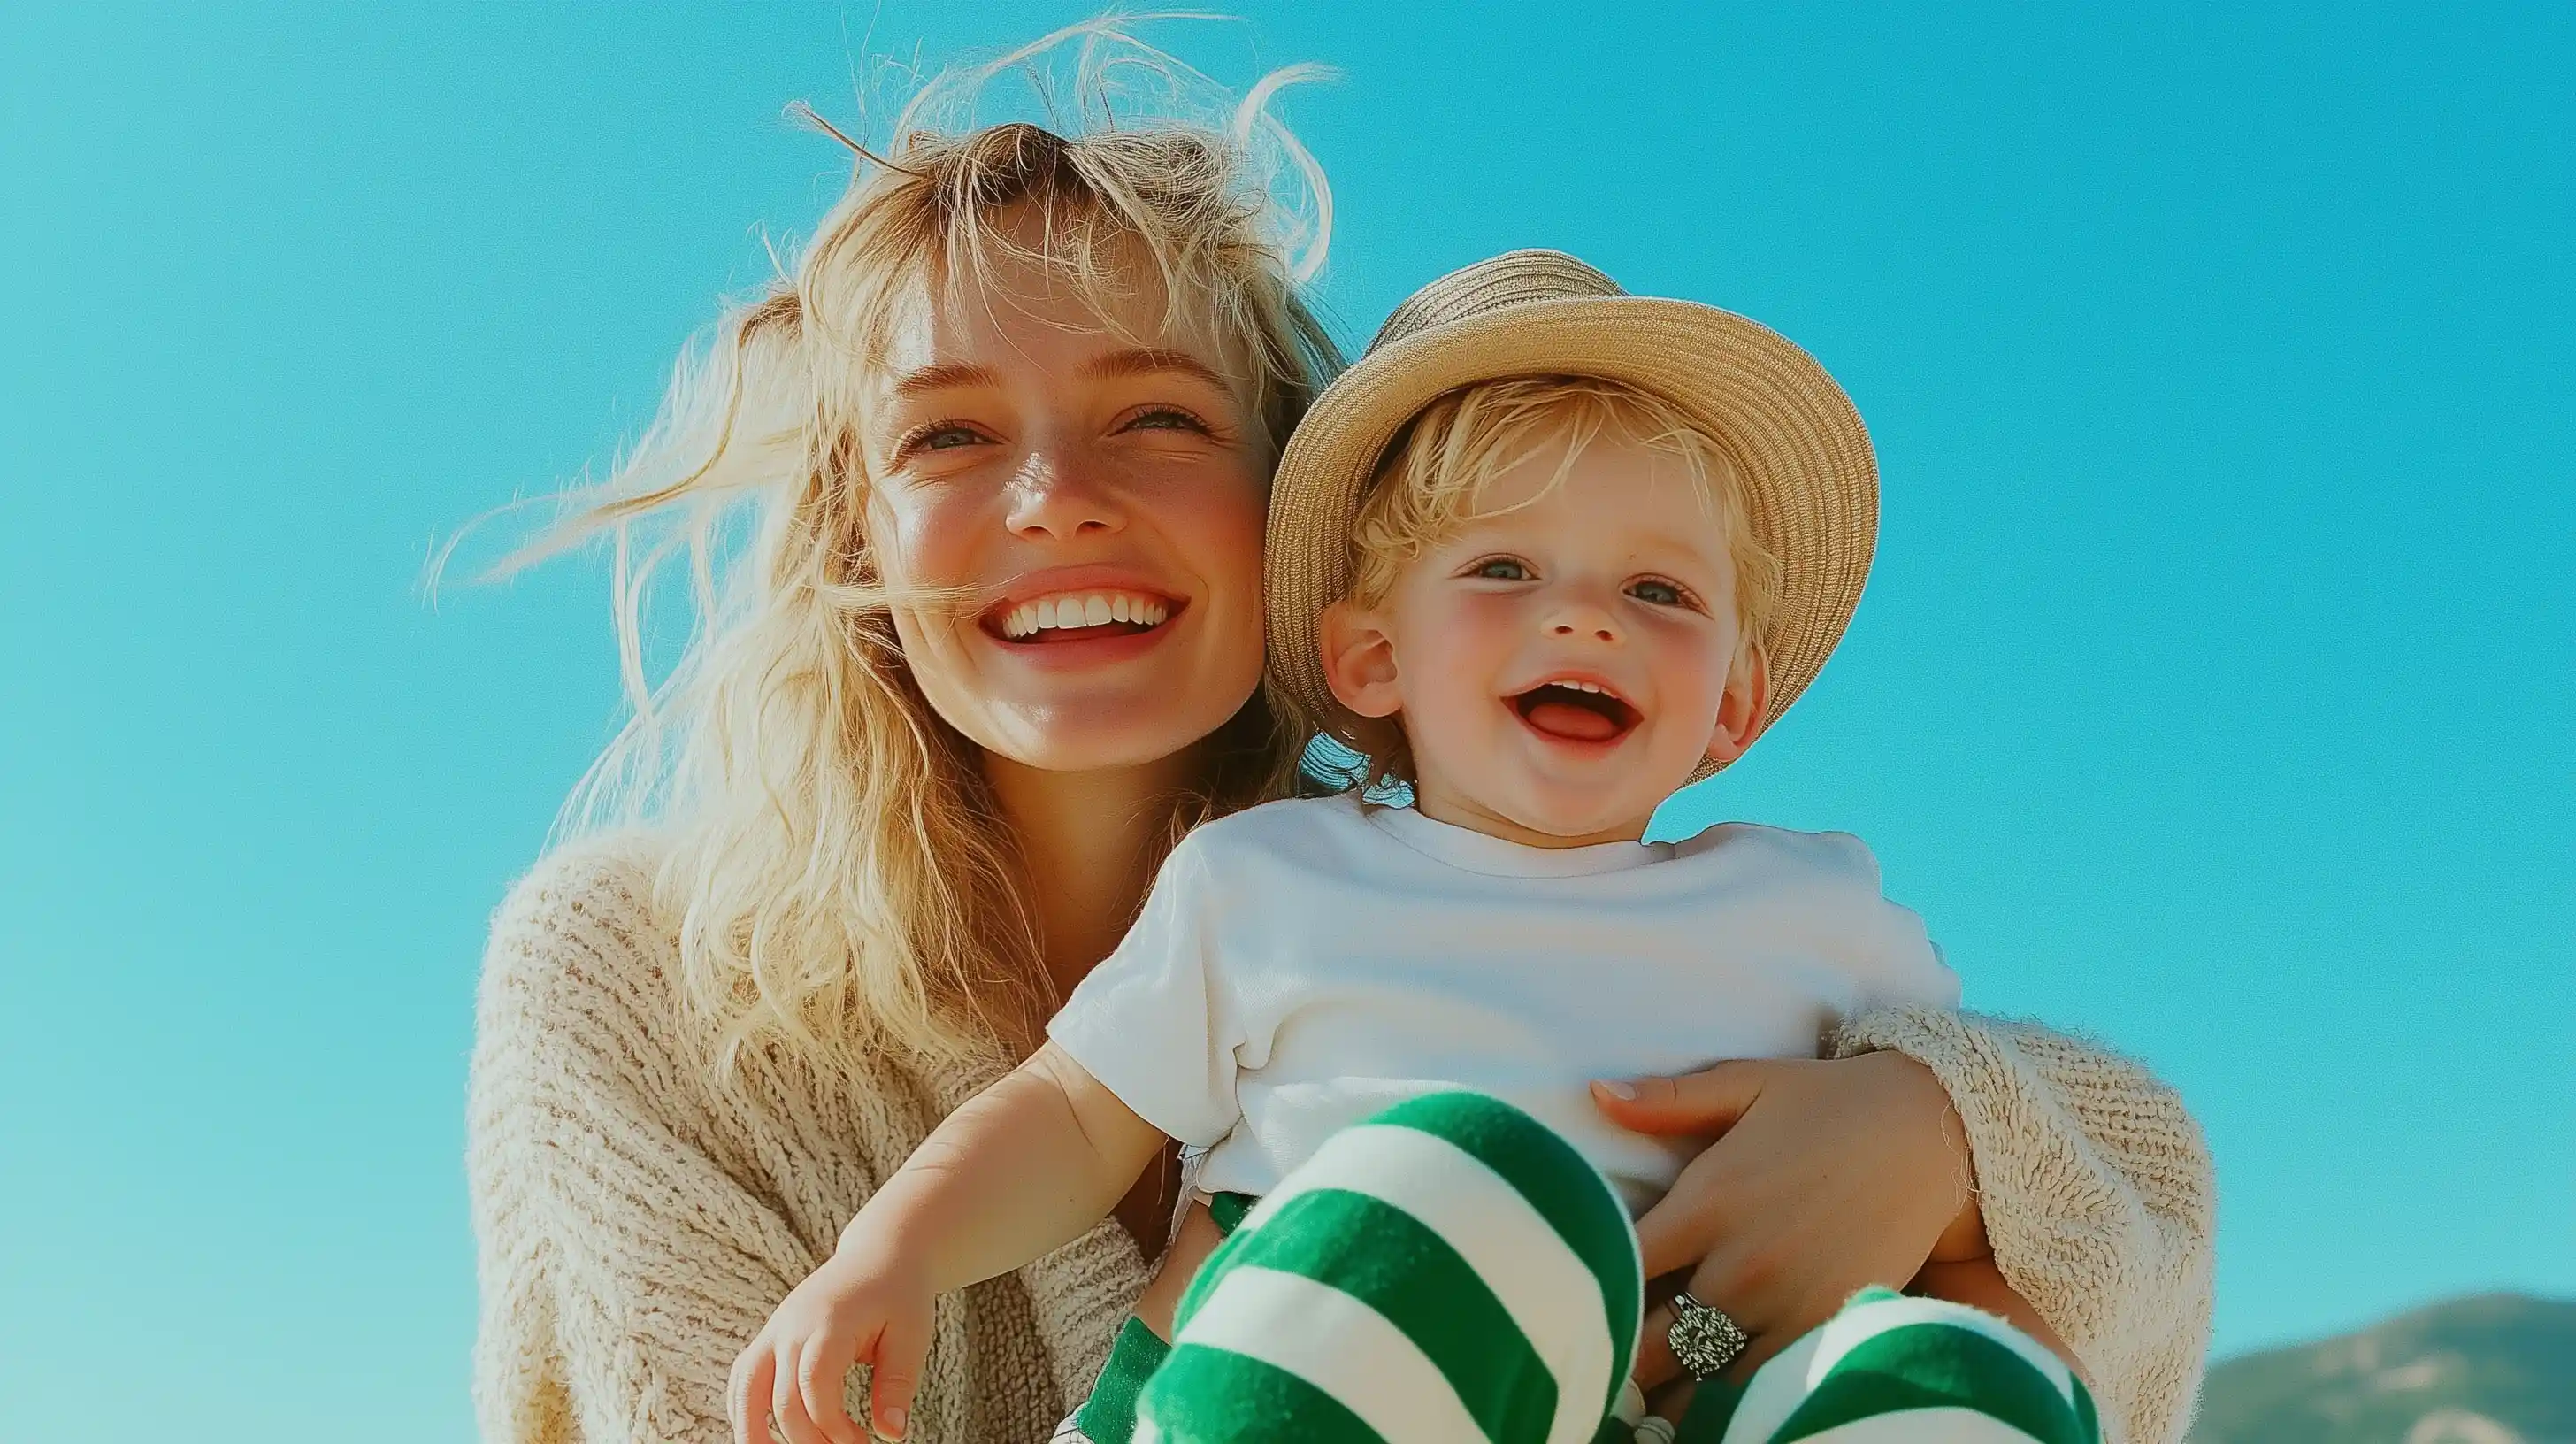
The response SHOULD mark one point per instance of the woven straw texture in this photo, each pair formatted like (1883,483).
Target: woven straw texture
(1810,476)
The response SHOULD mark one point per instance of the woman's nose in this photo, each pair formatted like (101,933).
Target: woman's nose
(1059,497)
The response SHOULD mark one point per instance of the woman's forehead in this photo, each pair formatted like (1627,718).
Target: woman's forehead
(1015,313)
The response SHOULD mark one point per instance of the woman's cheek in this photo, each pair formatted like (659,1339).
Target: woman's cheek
(1229,513)
(924,538)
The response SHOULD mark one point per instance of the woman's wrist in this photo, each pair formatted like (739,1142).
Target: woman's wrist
(1964,1236)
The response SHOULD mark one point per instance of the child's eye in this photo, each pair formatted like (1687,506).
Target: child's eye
(1501,569)
(1655,591)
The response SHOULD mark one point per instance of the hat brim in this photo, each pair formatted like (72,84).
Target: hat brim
(1811,478)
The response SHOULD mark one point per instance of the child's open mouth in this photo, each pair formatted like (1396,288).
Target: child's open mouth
(1575,712)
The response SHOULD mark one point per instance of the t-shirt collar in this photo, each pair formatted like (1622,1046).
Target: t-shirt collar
(1471,851)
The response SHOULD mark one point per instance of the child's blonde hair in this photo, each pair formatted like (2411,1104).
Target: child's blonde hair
(1437,472)
(843,882)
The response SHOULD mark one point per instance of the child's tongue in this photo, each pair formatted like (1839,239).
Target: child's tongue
(1564,719)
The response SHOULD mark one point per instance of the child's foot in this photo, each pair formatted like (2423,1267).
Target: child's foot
(1893,1368)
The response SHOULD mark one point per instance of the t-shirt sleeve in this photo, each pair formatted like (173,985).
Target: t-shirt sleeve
(1897,961)
(1156,1022)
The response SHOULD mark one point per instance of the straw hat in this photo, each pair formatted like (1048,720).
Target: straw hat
(1811,480)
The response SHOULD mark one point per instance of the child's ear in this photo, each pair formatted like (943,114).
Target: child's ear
(1359,659)
(1739,711)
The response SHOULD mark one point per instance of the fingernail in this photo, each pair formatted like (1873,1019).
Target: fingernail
(1623,1091)
(895,1421)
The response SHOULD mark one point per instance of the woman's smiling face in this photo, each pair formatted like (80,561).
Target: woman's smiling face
(1082,510)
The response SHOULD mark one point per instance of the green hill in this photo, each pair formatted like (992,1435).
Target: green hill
(2495,1369)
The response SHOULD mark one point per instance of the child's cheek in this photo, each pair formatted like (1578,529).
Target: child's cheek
(1491,632)
(1456,663)
(1690,660)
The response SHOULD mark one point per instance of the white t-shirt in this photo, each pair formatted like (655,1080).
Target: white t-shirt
(1305,964)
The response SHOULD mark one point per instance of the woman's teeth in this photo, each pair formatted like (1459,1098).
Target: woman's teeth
(1097,609)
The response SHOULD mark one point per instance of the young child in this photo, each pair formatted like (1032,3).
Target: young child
(1544,556)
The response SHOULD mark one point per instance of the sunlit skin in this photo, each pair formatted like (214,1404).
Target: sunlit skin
(1568,658)
(1023,447)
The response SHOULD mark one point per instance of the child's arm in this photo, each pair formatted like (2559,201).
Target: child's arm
(1025,1167)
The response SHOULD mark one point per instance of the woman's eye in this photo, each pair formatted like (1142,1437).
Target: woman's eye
(944,438)
(1501,569)
(1163,418)
(937,436)
(1657,593)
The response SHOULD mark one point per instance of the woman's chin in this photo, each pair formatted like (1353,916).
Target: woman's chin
(1104,729)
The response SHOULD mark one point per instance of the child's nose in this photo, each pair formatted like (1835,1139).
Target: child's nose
(1584,618)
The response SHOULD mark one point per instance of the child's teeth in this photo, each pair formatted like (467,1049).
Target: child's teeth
(1096,611)
(1118,609)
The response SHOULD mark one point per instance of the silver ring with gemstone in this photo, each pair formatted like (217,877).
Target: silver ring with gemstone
(1703,1339)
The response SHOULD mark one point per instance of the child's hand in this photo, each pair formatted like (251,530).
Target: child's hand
(860,1307)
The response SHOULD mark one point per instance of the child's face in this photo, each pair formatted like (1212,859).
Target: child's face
(1567,659)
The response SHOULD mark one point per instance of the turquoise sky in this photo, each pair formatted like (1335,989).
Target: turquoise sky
(2212,696)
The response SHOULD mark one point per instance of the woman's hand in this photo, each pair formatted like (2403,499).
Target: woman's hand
(861,1306)
(1825,1176)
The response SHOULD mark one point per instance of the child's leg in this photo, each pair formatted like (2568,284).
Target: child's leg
(1452,1271)
(1108,1416)
(1894,1369)
(1449,1271)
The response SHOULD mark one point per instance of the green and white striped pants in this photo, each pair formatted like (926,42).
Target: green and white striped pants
(1453,1272)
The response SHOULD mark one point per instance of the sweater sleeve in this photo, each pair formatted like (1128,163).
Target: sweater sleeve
(2098,1198)
(621,1266)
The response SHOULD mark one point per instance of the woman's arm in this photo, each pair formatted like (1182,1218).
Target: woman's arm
(2096,1194)
(2087,1176)
(636,1219)
(621,1264)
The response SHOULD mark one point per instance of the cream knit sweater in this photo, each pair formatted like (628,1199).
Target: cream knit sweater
(637,1219)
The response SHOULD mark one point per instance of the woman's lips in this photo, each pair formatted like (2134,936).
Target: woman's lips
(1054,629)
(1060,616)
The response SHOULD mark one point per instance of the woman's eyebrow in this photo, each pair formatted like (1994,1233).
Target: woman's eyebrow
(946,376)
(1151,361)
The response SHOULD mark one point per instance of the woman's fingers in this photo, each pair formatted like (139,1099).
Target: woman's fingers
(1692,1216)
(822,1386)
(1655,1364)
(1707,1102)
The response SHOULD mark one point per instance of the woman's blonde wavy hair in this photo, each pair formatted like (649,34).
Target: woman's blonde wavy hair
(843,880)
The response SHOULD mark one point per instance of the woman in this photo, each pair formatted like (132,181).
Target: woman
(882,825)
